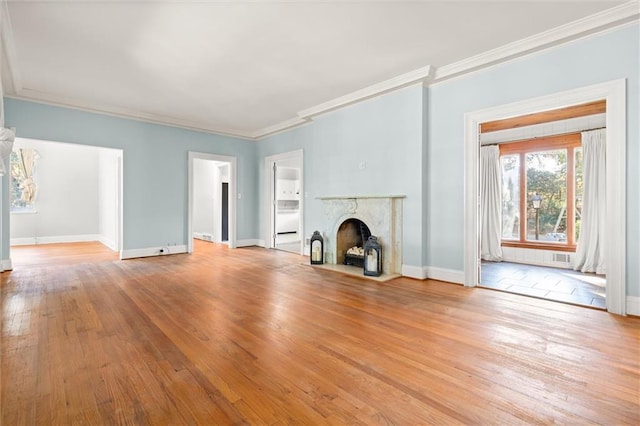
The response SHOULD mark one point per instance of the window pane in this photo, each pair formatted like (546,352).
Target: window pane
(510,197)
(579,191)
(547,179)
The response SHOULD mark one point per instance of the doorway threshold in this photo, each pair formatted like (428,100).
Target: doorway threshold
(543,282)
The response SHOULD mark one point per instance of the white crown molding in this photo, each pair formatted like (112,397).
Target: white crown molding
(305,116)
(8,49)
(407,79)
(279,127)
(604,20)
(66,102)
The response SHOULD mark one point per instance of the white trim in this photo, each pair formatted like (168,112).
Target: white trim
(108,242)
(279,127)
(269,195)
(419,75)
(250,242)
(633,305)
(589,25)
(94,107)
(615,94)
(5,265)
(447,275)
(233,194)
(411,271)
(55,239)
(152,251)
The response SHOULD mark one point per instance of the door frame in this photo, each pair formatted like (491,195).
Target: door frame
(269,180)
(614,92)
(232,161)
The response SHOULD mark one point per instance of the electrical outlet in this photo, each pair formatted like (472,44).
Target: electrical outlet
(362,165)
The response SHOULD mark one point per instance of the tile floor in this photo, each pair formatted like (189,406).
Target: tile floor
(562,285)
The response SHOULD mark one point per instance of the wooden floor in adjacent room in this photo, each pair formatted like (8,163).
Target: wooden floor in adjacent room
(255,336)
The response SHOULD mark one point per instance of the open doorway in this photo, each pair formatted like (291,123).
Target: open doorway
(65,193)
(536,186)
(614,93)
(212,194)
(285,201)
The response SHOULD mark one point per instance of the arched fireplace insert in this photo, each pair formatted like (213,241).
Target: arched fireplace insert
(350,239)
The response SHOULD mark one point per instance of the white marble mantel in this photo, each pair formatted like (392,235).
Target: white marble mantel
(348,197)
(381,213)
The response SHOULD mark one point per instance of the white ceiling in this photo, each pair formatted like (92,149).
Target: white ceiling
(250,68)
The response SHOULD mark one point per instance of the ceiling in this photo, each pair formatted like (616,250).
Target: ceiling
(251,68)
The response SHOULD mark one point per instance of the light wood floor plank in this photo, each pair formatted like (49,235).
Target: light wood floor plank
(254,336)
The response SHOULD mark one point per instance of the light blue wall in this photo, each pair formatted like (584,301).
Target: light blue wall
(412,141)
(606,57)
(387,134)
(155,167)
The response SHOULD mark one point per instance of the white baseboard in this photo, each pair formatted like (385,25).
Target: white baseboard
(5,265)
(250,242)
(417,272)
(431,272)
(153,251)
(442,274)
(54,239)
(204,236)
(108,242)
(633,305)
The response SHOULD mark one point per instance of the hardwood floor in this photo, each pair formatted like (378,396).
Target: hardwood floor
(254,336)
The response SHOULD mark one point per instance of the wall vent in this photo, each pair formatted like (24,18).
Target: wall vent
(561,257)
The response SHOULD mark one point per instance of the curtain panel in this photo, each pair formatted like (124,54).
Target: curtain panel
(27,160)
(590,255)
(490,204)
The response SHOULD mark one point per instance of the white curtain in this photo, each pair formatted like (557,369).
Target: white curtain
(490,203)
(590,256)
(27,160)
(6,146)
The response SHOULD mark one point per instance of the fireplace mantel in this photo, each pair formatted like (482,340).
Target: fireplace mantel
(381,213)
(349,197)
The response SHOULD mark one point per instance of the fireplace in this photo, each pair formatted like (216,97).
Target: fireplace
(350,239)
(380,215)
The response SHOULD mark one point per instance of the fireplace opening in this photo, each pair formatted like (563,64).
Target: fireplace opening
(350,240)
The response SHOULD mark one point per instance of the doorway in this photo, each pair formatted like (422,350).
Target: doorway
(224,213)
(615,95)
(533,197)
(78,195)
(212,195)
(285,201)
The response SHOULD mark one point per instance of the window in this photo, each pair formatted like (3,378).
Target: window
(541,192)
(23,187)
